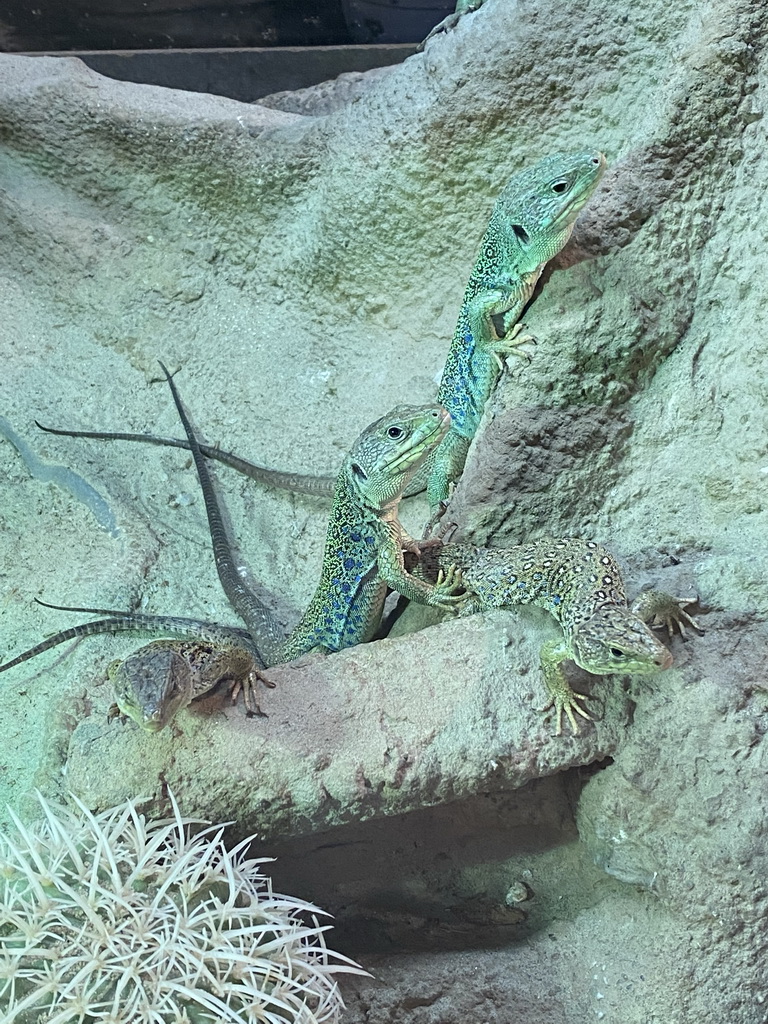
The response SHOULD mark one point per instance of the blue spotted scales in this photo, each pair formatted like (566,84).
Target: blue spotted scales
(363,556)
(364,542)
(580,583)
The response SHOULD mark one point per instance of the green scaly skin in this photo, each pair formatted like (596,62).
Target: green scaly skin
(364,543)
(363,556)
(532,220)
(580,583)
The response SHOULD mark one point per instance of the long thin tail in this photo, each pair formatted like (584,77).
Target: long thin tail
(300,483)
(261,624)
(127,622)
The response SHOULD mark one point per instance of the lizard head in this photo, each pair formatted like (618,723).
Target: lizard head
(540,205)
(616,640)
(386,455)
(152,684)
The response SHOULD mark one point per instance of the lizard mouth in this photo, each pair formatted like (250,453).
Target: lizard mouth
(572,210)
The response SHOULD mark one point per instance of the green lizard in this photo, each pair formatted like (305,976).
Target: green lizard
(363,555)
(364,542)
(580,584)
(532,220)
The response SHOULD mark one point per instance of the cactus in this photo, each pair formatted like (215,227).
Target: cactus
(120,920)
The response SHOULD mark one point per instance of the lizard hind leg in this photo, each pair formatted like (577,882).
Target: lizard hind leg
(661,610)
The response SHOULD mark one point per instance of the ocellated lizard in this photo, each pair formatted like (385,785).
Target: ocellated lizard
(532,220)
(363,555)
(364,543)
(155,682)
(450,21)
(580,583)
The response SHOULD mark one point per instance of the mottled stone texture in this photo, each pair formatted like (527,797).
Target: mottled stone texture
(306,272)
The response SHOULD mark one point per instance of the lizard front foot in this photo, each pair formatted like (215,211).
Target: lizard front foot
(248,686)
(562,698)
(511,344)
(436,516)
(566,700)
(444,590)
(661,610)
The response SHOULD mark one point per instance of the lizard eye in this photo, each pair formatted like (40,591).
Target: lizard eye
(395,433)
(560,187)
(617,653)
(521,233)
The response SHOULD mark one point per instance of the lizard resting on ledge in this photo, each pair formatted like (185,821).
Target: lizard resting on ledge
(580,583)
(154,682)
(577,581)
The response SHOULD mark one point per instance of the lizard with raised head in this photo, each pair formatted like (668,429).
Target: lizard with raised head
(451,20)
(364,543)
(580,583)
(531,221)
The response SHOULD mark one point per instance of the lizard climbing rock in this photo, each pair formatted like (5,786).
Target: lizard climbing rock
(532,220)
(363,556)
(364,542)
(450,21)
(580,583)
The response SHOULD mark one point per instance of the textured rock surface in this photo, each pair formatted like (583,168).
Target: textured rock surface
(327,97)
(307,273)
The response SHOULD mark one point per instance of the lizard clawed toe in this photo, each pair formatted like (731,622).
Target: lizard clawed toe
(568,703)
(663,611)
